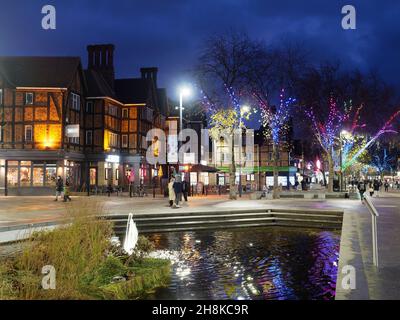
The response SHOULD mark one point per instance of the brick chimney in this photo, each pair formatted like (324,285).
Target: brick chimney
(101,59)
(150,73)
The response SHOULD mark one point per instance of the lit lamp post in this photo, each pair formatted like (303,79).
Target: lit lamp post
(183,92)
(243,111)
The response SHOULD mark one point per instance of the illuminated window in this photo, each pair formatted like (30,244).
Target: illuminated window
(29,98)
(51,174)
(93,176)
(38,175)
(74,140)
(25,176)
(28,133)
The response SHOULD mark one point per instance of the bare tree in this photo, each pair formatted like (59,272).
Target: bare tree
(222,72)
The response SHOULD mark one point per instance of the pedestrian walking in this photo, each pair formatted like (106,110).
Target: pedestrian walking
(66,192)
(59,188)
(371,190)
(171,192)
(185,187)
(386,186)
(109,189)
(178,189)
(361,188)
(376,187)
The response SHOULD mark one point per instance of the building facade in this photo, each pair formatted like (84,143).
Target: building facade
(57,119)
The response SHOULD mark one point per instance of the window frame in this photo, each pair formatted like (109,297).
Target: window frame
(91,109)
(76,101)
(91,137)
(124,145)
(25,133)
(30,94)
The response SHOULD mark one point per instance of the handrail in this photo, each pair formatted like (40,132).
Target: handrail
(374,215)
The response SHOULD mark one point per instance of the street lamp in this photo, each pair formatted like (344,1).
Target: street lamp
(184,91)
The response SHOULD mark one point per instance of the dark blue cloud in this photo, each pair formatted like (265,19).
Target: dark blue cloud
(169,33)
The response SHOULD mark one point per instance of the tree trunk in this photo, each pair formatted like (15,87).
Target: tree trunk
(331,172)
(232,176)
(275,156)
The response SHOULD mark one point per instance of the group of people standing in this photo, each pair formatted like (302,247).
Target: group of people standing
(176,189)
(62,190)
(373,187)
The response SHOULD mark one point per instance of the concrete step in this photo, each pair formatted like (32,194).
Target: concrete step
(281,223)
(201,220)
(177,213)
(179,221)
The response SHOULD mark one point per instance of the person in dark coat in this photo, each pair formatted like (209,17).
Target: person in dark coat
(59,187)
(178,189)
(186,189)
(362,187)
(377,186)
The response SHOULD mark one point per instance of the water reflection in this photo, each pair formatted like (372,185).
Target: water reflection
(265,263)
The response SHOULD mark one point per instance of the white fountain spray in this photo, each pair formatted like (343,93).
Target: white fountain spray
(131,236)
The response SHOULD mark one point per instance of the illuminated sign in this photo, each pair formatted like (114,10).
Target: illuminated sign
(112,159)
(72,131)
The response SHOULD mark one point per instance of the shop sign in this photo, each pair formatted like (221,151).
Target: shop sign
(72,131)
(112,159)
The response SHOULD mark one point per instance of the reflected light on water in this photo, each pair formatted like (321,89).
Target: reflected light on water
(262,263)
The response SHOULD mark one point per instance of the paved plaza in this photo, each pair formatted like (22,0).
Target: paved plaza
(356,240)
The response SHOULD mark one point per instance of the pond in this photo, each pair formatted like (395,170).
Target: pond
(250,264)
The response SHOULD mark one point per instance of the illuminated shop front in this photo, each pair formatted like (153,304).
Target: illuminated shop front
(35,172)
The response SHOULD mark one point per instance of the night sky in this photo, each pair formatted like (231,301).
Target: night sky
(169,33)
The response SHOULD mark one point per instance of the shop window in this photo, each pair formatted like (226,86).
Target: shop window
(38,175)
(25,176)
(29,98)
(250,177)
(93,176)
(51,175)
(116,174)
(12,176)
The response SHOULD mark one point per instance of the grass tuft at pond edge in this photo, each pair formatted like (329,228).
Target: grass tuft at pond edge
(85,263)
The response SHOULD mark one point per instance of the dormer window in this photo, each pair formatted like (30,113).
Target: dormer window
(29,98)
